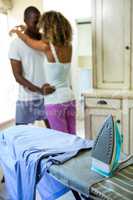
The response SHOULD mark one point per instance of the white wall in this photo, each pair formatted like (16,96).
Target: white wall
(71,9)
(16,14)
(8,86)
(6,79)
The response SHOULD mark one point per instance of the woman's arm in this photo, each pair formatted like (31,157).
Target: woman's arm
(35,44)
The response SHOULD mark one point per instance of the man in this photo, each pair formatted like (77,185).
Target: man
(28,69)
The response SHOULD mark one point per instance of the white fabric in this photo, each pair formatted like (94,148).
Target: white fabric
(33,67)
(57,74)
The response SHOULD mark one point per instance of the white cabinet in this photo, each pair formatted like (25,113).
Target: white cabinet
(128,125)
(112,35)
(111,44)
(98,104)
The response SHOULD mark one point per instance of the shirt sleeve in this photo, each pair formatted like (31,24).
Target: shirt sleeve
(14,51)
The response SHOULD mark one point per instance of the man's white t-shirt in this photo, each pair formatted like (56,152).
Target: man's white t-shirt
(32,66)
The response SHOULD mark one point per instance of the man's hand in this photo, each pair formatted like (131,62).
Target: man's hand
(48,89)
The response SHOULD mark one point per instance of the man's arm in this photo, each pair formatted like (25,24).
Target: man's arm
(17,71)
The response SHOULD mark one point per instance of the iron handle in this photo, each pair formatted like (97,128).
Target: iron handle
(102,102)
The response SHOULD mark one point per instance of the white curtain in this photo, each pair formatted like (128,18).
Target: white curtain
(5,5)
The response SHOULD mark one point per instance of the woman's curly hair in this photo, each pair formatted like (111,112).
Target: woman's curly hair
(56,28)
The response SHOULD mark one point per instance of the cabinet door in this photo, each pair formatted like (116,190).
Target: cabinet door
(128,126)
(111,43)
(94,118)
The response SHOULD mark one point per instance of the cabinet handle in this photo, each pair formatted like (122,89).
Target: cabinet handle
(102,102)
(127,47)
(118,121)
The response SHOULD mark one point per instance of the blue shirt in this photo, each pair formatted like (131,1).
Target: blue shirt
(27,146)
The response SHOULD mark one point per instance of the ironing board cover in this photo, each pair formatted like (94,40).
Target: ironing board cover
(118,187)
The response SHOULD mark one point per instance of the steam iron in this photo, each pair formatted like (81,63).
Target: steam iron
(107,148)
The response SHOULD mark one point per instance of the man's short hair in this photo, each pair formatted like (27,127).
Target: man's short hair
(29,10)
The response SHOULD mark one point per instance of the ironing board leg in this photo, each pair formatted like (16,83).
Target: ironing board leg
(76,195)
(86,198)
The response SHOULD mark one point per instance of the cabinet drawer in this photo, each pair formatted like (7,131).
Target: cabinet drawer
(103,103)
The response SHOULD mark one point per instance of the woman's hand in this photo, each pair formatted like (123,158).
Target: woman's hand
(17,30)
(21,28)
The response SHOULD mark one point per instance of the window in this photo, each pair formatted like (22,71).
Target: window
(84,32)
(7,82)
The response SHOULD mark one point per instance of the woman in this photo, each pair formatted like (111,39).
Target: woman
(56,44)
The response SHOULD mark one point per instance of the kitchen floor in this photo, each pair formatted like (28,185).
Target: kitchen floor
(67,196)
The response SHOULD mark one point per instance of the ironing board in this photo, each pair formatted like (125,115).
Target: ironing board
(76,174)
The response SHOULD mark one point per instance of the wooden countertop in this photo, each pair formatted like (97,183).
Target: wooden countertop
(115,94)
